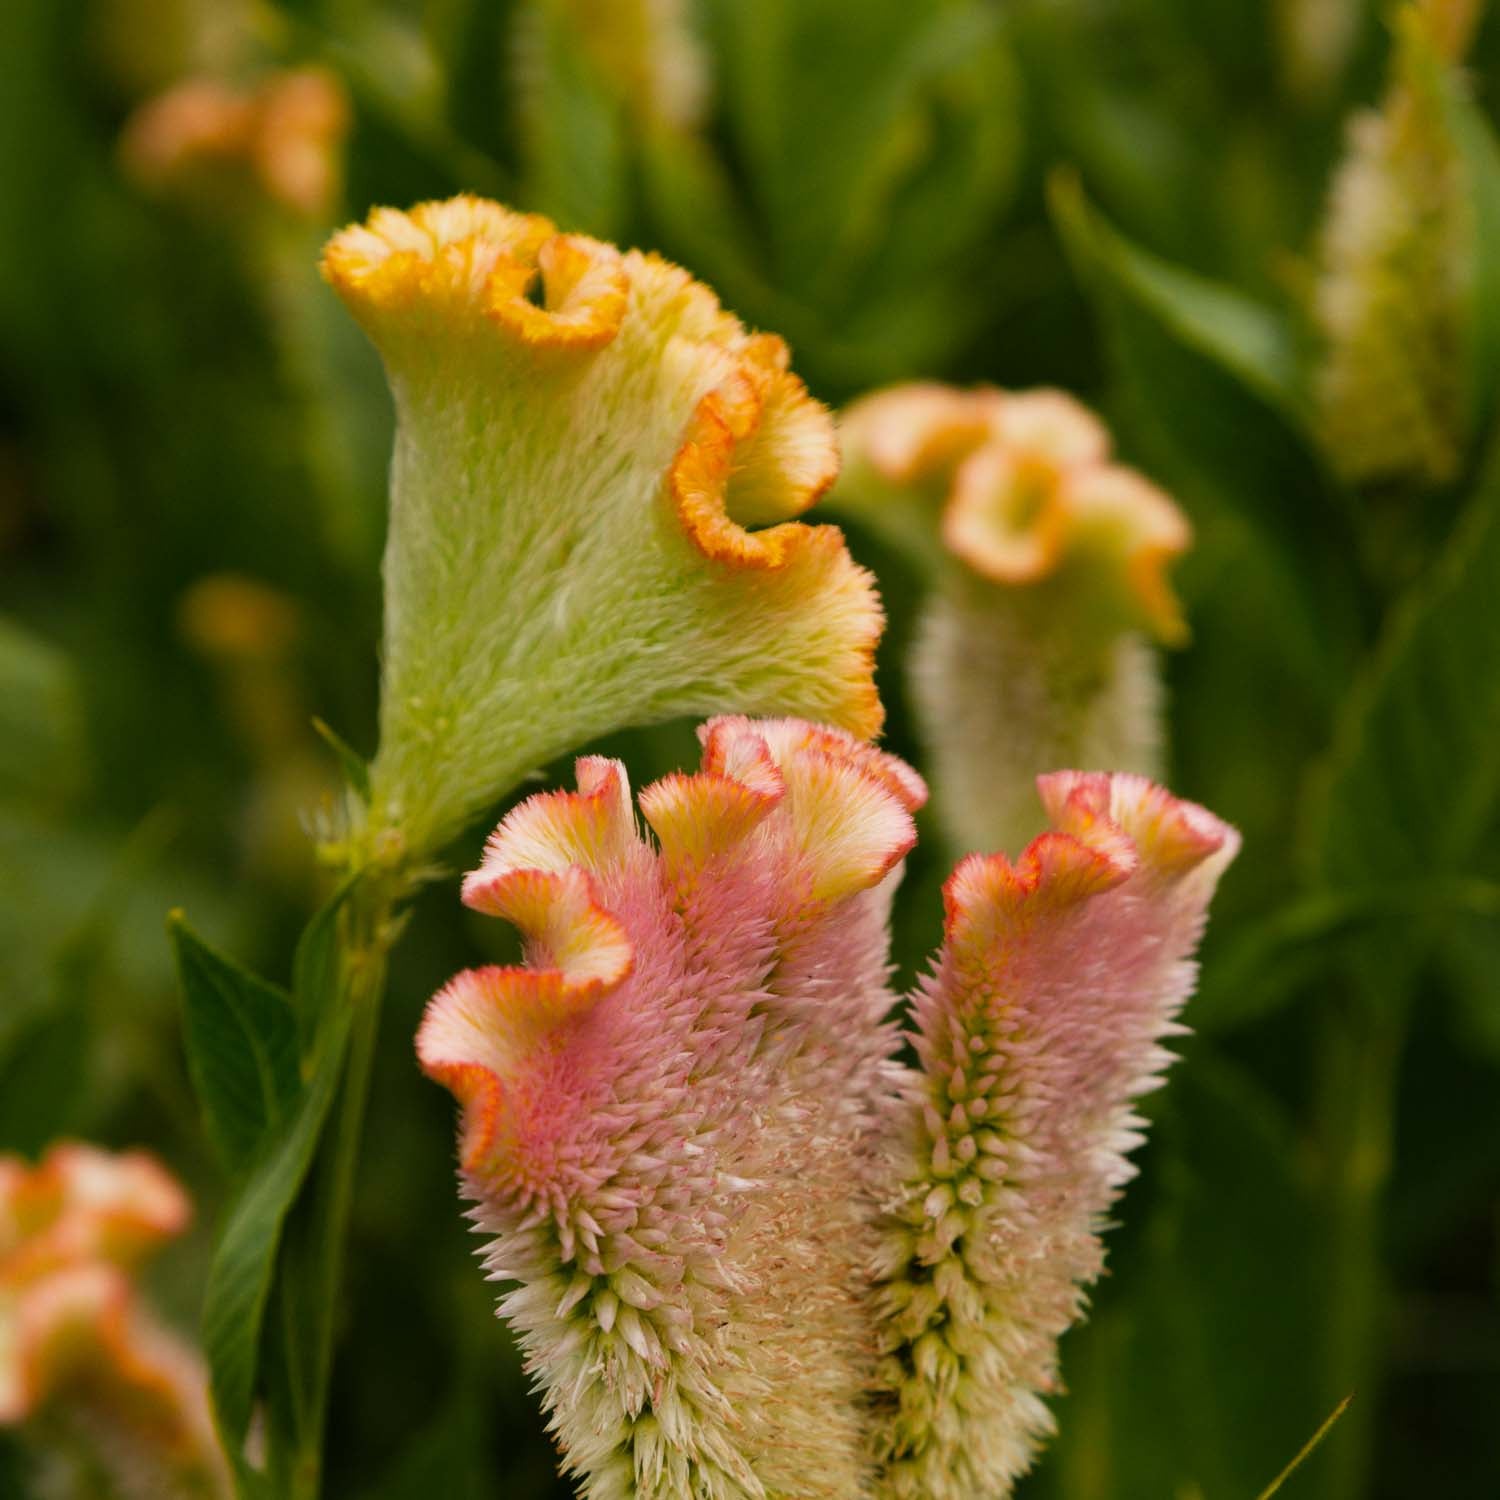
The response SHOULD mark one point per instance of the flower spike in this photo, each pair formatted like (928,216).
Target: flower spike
(1049,563)
(78,1356)
(1041,1022)
(594,494)
(754,1254)
(1397,254)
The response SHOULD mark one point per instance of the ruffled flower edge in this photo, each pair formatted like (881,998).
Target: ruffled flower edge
(757,448)
(834,816)
(1023,484)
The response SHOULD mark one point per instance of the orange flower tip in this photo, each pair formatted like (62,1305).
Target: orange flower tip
(1170,834)
(1016,516)
(1054,426)
(472,264)
(63,1324)
(910,432)
(1006,518)
(593,827)
(699,818)
(1055,870)
(483,1033)
(1106,827)
(560,917)
(850,805)
(1118,514)
(79,1200)
(758,449)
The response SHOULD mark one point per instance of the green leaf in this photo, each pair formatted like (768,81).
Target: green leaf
(833,118)
(241,1038)
(315,966)
(244,1259)
(1412,787)
(1206,377)
(242,1046)
(354,766)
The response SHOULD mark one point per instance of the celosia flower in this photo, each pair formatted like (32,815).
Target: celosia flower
(1048,565)
(282,140)
(755,1254)
(107,1395)
(1396,267)
(585,440)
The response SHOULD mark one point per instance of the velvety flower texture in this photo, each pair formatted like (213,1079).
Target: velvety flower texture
(755,1255)
(593,495)
(1048,569)
(119,1404)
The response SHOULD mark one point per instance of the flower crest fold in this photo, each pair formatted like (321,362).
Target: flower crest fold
(594,496)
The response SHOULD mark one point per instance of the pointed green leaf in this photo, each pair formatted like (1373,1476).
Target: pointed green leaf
(315,967)
(356,769)
(1206,377)
(239,1278)
(241,1039)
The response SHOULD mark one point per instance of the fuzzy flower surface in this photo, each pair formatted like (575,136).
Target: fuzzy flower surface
(1047,562)
(593,502)
(114,1405)
(752,1253)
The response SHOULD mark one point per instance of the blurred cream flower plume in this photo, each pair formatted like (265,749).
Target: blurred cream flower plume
(593,495)
(755,1255)
(1047,562)
(1396,267)
(118,1406)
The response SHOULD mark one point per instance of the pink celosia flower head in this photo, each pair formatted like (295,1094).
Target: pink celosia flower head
(77,1353)
(1041,1022)
(726,1203)
(694,1052)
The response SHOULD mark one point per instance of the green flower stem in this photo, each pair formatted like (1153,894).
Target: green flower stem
(1362,1055)
(313,1260)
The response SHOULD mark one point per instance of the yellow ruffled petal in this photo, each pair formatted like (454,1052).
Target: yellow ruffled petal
(593,507)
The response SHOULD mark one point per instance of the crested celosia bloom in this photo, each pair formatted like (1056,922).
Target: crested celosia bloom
(282,140)
(117,1406)
(1395,272)
(755,1254)
(592,495)
(1048,569)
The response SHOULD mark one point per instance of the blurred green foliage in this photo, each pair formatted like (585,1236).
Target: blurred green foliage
(1120,196)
